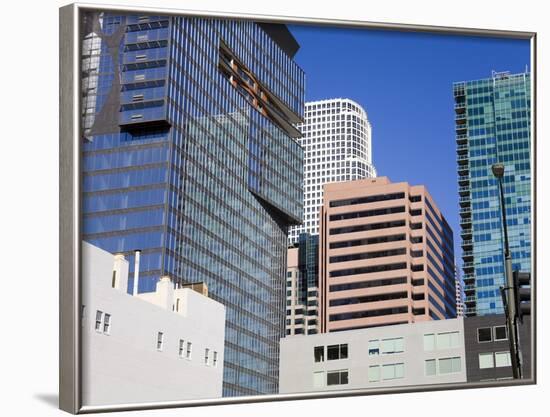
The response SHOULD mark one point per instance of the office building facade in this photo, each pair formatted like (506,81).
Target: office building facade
(386,256)
(148,347)
(493,125)
(302,287)
(337,143)
(488,348)
(429,352)
(190,155)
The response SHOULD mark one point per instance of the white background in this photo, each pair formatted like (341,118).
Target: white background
(29,203)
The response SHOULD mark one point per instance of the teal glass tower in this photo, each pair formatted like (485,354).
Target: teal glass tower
(493,125)
(190,155)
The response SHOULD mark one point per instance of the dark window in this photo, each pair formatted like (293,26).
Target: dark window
(368,299)
(319,353)
(368,313)
(418,282)
(419,311)
(484,334)
(368,255)
(414,198)
(367,241)
(415,212)
(416,226)
(500,333)
(369,199)
(364,227)
(335,352)
(367,213)
(416,268)
(337,377)
(417,253)
(368,284)
(368,269)
(419,296)
(416,239)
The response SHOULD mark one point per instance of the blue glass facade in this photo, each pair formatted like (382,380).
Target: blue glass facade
(493,125)
(183,160)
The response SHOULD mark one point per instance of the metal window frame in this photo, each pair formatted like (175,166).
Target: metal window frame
(70,366)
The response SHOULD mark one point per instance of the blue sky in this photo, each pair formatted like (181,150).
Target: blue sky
(404,82)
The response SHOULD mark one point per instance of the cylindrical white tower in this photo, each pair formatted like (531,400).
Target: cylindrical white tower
(336,138)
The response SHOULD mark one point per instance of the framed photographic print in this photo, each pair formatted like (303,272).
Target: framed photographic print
(257,208)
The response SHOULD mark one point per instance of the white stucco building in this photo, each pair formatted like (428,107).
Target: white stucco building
(159,346)
(429,352)
(336,138)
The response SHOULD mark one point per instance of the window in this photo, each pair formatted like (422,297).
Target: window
(502,359)
(392,371)
(319,353)
(374,373)
(447,340)
(181,349)
(449,365)
(215,359)
(429,342)
(107,323)
(98,320)
(206,356)
(177,304)
(486,360)
(389,346)
(429,366)
(335,352)
(484,334)
(160,340)
(113,280)
(500,333)
(318,379)
(188,351)
(374,347)
(337,377)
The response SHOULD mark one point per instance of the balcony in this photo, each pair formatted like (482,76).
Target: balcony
(461,129)
(460,118)
(467,254)
(468,265)
(466,221)
(471,299)
(464,191)
(463,180)
(460,108)
(464,201)
(463,169)
(462,159)
(466,233)
(462,139)
(469,288)
(462,148)
(459,89)
(465,211)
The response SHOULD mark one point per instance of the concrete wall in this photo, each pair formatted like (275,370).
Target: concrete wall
(297,364)
(124,365)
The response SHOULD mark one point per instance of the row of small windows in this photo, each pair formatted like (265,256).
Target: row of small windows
(442,366)
(185,350)
(333,352)
(494,360)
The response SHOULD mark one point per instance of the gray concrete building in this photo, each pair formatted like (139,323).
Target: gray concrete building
(429,352)
(488,349)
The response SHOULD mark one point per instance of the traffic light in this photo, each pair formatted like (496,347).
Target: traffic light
(522,291)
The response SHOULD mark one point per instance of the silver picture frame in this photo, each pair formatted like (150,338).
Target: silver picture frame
(70,366)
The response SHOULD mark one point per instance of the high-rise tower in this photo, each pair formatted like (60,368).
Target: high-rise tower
(386,256)
(337,147)
(493,125)
(190,155)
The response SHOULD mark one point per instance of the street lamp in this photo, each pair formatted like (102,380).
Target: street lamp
(510,304)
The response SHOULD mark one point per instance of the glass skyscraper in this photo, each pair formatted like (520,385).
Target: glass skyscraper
(493,125)
(189,155)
